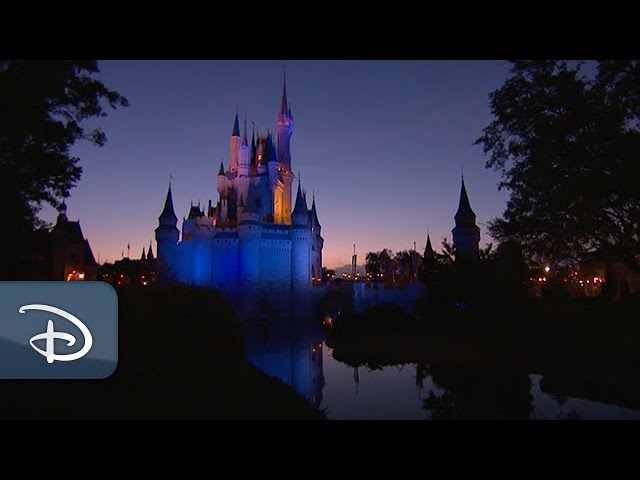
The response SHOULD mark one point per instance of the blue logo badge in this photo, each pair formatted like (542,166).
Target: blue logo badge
(58,330)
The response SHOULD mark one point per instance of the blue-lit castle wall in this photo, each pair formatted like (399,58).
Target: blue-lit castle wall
(251,238)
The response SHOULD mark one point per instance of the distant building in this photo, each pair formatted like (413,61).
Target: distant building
(130,271)
(70,254)
(466,234)
(251,237)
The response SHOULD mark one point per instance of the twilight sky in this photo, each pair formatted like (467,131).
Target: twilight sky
(381,143)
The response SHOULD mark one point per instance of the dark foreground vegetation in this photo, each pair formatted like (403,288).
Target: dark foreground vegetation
(584,348)
(180,357)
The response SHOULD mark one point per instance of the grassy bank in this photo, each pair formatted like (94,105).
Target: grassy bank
(586,349)
(180,357)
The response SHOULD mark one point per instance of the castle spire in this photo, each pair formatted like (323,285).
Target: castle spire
(300,212)
(464,214)
(253,153)
(244,131)
(150,254)
(314,212)
(428,251)
(168,215)
(221,171)
(143,257)
(284,103)
(236,127)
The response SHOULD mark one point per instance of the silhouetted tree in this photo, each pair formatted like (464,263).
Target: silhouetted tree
(44,105)
(404,265)
(566,137)
(379,262)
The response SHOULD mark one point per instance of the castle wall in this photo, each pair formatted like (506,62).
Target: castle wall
(316,257)
(300,257)
(249,253)
(275,260)
(225,260)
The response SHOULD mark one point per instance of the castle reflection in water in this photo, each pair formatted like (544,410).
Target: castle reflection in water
(284,340)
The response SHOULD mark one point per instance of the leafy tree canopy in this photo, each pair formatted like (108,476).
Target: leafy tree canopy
(566,138)
(44,105)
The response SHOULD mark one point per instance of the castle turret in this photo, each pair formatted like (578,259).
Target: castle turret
(284,129)
(253,153)
(261,159)
(222,180)
(235,144)
(167,238)
(313,216)
(466,234)
(243,158)
(243,180)
(300,214)
(300,244)
(317,242)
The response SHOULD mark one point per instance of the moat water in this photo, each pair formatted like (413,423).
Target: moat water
(401,392)
(301,359)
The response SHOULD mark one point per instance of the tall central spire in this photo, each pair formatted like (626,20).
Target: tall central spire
(283,103)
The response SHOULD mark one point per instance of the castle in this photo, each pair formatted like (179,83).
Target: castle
(252,238)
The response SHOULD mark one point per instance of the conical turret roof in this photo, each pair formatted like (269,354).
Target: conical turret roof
(168,215)
(464,214)
(300,210)
(236,127)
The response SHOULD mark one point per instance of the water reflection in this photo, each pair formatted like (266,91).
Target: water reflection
(285,340)
(554,407)
(469,394)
